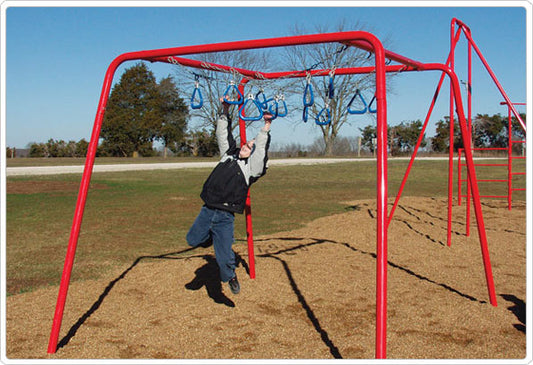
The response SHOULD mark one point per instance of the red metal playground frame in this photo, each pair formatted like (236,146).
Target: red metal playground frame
(359,39)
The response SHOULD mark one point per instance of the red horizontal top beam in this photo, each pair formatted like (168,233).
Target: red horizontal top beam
(359,39)
(276,75)
(253,44)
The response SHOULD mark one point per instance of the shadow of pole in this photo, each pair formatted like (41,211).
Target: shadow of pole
(318,241)
(310,314)
(74,329)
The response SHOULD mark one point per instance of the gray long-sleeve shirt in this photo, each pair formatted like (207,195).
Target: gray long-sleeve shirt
(253,166)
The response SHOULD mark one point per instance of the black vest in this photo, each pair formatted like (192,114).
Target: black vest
(226,187)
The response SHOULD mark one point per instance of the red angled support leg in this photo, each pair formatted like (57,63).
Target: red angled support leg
(80,207)
(472,178)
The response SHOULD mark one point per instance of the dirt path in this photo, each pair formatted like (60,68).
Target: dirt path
(52,170)
(78,169)
(313,298)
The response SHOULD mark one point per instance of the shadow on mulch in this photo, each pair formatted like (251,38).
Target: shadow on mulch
(74,329)
(208,276)
(518,309)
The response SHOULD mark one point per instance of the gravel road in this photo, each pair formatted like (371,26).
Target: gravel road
(53,170)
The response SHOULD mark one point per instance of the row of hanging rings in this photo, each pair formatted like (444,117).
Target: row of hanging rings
(324,116)
(254,107)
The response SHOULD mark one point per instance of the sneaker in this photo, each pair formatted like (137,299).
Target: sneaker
(234,285)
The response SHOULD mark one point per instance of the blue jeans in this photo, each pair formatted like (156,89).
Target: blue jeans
(217,225)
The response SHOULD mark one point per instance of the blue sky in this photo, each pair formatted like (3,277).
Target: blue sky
(56,57)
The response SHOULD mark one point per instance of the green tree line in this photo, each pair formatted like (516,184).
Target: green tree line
(59,148)
(487,131)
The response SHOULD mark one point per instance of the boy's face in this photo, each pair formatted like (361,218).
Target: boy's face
(246,149)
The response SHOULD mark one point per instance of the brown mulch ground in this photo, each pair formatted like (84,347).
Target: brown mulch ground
(313,297)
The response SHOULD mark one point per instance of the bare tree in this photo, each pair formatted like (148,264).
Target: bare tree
(213,82)
(331,91)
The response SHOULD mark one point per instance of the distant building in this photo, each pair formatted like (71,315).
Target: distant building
(19,152)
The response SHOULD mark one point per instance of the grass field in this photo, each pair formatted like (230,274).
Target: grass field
(131,214)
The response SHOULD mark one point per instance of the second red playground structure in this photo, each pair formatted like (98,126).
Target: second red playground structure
(382,57)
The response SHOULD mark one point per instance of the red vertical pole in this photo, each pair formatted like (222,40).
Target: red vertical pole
(450,148)
(250,236)
(468,202)
(382,182)
(510,160)
(80,207)
(459,166)
(469,124)
(248,206)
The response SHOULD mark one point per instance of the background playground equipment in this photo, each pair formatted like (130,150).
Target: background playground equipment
(359,39)
(509,167)
(511,109)
(454,38)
